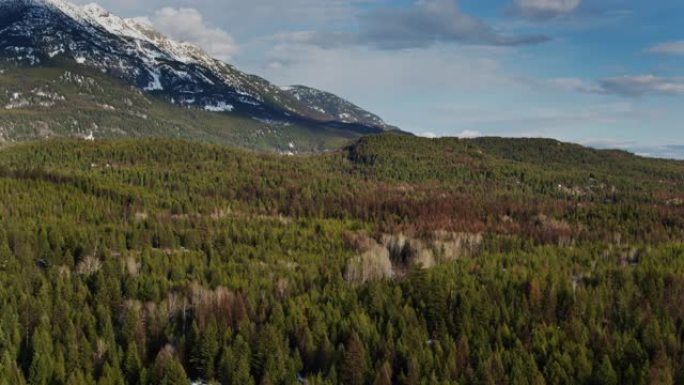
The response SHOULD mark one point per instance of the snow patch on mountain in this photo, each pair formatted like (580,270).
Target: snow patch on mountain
(155,84)
(335,106)
(220,107)
(131,50)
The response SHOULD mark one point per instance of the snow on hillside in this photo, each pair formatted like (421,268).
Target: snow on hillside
(184,74)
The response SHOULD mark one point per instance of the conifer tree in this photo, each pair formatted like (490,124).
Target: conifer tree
(132,364)
(604,373)
(10,374)
(205,350)
(41,369)
(168,370)
(353,371)
(384,375)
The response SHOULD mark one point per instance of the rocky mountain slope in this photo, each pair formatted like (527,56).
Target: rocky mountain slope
(332,105)
(55,33)
(69,100)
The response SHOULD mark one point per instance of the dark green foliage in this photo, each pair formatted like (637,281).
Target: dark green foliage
(604,373)
(156,262)
(204,349)
(168,370)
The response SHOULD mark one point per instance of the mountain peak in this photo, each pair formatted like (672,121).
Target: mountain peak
(38,32)
(133,28)
(96,9)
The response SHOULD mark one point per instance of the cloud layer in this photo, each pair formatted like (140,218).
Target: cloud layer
(635,86)
(545,9)
(427,23)
(670,48)
(627,86)
(187,24)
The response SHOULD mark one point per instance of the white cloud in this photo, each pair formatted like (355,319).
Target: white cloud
(574,84)
(669,48)
(429,135)
(187,24)
(607,143)
(549,5)
(469,134)
(402,86)
(672,151)
(360,70)
(424,24)
(542,117)
(476,96)
(246,19)
(628,86)
(545,9)
(634,86)
(465,134)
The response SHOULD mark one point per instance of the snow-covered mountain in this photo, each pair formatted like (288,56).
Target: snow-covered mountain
(45,32)
(332,105)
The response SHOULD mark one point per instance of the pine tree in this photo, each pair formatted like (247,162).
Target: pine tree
(59,372)
(10,374)
(604,373)
(324,355)
(168,370)
(354,366)
(205,350)
(5,252)
(412,376)
(110,376)
(234,366)
(224,370)
(76,378)
(132,364)
(384,376)
(41,369)
(679,377)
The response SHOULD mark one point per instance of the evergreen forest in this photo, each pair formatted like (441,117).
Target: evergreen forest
(397,260)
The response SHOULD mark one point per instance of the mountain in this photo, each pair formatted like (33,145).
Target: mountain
(332,105)
(67,99)
(55,33)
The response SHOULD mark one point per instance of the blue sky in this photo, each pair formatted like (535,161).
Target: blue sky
(606,73)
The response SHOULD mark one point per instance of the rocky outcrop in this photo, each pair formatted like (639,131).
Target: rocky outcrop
(373,264)
(392,254)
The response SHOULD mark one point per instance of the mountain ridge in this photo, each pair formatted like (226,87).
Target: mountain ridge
(331,104)
(42,32)
(70,100)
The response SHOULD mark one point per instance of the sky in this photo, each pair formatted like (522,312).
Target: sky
(604,73)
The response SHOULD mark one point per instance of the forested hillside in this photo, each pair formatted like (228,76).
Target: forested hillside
(67,100)
(397,260)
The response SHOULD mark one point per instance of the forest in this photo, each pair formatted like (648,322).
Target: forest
(397,260)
